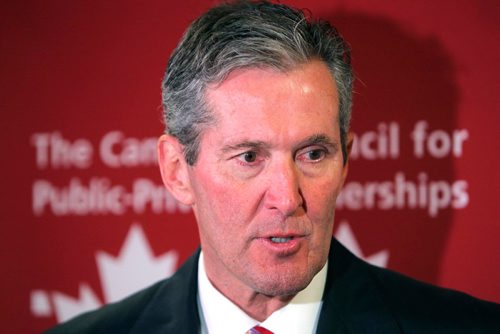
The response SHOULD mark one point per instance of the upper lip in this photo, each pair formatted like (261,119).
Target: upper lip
(282,235)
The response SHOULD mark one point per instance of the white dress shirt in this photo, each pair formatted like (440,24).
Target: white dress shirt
(218,315)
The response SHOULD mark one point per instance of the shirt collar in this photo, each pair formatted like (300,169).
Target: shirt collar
(299,316)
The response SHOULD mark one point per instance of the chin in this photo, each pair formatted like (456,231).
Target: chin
(284,283)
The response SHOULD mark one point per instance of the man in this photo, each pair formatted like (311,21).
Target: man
(257,103)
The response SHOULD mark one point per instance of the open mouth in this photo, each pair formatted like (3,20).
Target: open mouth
(280,240)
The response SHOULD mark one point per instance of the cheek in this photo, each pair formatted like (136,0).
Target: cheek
(232,193)
(220,201)
(321,197)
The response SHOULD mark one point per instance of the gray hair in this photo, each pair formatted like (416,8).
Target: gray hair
(246,34)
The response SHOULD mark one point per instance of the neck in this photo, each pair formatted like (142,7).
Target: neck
(257,305)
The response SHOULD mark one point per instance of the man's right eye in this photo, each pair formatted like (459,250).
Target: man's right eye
(249,157)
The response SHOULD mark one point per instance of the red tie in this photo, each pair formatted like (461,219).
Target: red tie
(259,330)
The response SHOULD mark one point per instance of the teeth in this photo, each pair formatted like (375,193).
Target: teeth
(280,240)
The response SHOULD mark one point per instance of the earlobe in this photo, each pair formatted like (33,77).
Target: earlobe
(173,168)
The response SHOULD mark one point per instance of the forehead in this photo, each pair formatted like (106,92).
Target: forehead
(265,104)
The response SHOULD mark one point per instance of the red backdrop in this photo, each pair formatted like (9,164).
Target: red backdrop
(85,219)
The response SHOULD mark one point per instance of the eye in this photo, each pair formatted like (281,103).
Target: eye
(312,155)
(315,154)
(249,158)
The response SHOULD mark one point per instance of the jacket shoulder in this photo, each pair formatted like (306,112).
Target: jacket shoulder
(362,298)
(154,307)
(116,317)
(421,306)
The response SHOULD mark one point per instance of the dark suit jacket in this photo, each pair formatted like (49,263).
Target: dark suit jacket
(358,298)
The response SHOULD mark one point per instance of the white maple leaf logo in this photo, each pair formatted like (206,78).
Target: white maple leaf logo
(137,263)
(133,269)
(346,236)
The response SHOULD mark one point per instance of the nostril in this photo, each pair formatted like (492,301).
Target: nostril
(287,202)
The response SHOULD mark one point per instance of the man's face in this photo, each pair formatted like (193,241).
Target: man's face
(267,177)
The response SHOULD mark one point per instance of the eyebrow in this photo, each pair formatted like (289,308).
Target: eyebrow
(257,145)
(246,145)
(319,139)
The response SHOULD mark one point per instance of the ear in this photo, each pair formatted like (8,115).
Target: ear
(174,169)
(350,140)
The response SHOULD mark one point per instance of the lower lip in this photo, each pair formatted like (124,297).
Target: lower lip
(282,248)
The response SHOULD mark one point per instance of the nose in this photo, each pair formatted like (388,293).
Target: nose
(283,192)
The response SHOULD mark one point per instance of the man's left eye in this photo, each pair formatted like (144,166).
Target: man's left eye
(316,154)
(313,155)
(249,157)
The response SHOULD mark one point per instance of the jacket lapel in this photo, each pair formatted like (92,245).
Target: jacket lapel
(352,302)
(174,308)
